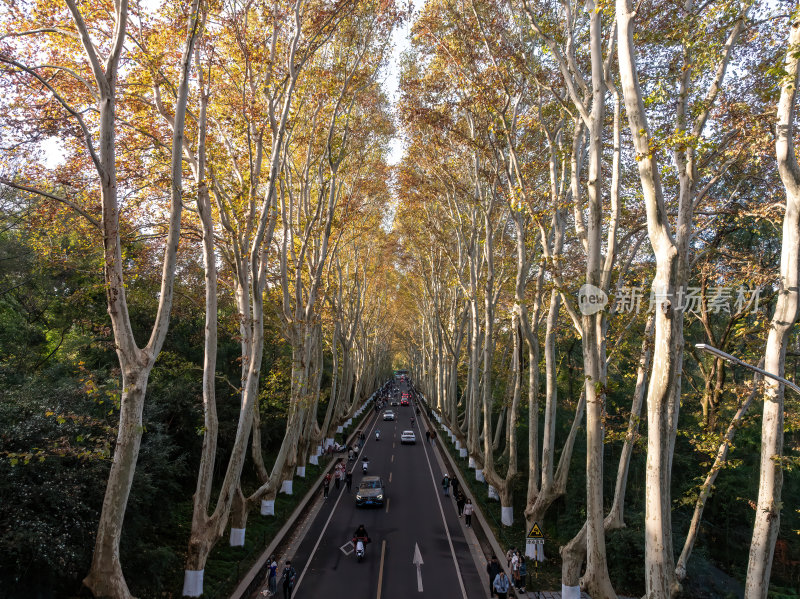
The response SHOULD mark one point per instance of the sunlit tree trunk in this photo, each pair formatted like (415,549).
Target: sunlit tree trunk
(768,506)
(105,576)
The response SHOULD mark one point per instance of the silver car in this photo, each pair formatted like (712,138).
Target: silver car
(371,491)
(388,415)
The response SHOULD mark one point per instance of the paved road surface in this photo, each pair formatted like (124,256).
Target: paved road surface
(415,514)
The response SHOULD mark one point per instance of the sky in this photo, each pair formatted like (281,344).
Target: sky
(401,39)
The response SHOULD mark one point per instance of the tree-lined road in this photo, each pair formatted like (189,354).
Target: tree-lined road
(415,514)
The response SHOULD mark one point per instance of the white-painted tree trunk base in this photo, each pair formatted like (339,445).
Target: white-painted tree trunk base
(462,452)
(328,442)
(471,462)
(479,475)
(286,487)
(301,471)
(237,537)
(193,583)
(339,429)
(507,515)
(493,493)
(267,507)
(570,592)
(540,552)
(530,550)
(349,422)
(314,460)
(458,444)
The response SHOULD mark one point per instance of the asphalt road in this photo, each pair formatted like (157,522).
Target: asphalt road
(416,514)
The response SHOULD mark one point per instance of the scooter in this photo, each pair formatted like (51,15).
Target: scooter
(377,435)
(364,465)
(361,547)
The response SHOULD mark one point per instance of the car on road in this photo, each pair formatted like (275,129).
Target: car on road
(395,402)
(408,437)
(371,491)
(403,402)
(388,415)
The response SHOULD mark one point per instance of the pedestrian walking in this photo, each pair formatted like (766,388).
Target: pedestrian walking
(501,584)
(272,577)
(289,577)
(460,500)
(348,480)
(446,485)
(337,475)
(492,569)
(428,436)
(509,555)
(468,509)
(455,484)
(523,574)
(326,485)
(433,437)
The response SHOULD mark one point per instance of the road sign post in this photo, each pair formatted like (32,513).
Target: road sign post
(534,544)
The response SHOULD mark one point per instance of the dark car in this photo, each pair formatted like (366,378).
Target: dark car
(371,491)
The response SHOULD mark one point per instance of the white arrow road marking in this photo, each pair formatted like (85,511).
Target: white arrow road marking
(418,563)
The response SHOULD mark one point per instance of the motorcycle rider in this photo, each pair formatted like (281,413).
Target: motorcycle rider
(360,533)
(378,434)
(364,464)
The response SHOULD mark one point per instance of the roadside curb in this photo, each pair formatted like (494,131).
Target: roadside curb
(249,581)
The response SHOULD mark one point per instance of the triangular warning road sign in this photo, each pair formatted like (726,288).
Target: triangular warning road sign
(536,532)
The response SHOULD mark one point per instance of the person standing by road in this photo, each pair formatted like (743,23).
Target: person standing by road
(523,574)
(459,499)
(468,508)
(501,584)
(348,480)
(272,577)
(454,482)
(289,576)
(515,568)
(446,484)
(326,485)
(492,569)
(337,475)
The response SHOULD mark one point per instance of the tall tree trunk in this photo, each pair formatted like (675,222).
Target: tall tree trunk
(105,576)
(768,506)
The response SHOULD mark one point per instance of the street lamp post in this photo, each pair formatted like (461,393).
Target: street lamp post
(734,360)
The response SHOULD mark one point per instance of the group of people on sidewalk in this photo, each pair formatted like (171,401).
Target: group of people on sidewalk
(463,504)
(288,578)
(340,473)
(499,584)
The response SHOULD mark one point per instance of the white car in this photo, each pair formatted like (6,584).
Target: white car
(408,437)
(388,415)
